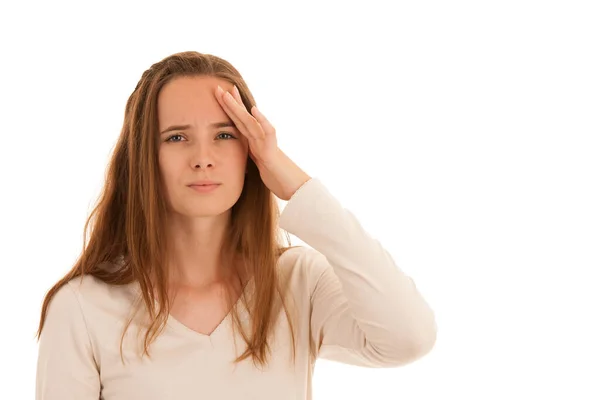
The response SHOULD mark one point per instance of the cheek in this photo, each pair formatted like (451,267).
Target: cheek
(241,157)
(167,167)
(234,154)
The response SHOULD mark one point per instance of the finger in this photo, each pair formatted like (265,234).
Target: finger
(249,122)
(237,95)
(267,128)
(263,121)
(236,120)
(227,107)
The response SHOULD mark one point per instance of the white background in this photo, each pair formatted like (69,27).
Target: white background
(464,135)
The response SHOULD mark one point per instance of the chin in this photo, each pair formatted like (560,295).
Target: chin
(210,205)
(205,208)
(202,211)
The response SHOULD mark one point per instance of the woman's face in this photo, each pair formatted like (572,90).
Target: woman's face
(206,145)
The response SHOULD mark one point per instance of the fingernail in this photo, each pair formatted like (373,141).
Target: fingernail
(235,89)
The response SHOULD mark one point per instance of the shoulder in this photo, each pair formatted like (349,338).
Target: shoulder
(95,295)
(90,287)
(65,307)
(70,293)
(302,266)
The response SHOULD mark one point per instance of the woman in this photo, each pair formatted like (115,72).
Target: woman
(185,289)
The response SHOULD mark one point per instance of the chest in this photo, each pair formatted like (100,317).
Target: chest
(201,311)
(187,363)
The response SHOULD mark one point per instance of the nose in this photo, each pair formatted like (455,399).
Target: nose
(199,165)
(202,156)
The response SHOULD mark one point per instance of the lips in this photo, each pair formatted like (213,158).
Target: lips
(203,188)
(204,183)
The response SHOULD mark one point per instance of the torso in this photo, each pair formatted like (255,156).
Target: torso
(204,309)
(201,310)
(183,361)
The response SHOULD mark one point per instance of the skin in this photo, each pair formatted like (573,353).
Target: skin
(197,221)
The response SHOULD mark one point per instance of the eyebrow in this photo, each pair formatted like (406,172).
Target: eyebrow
(222,124)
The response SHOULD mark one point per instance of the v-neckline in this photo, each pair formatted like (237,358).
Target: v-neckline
(181,327)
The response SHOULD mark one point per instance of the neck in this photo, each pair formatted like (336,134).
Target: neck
(195,256)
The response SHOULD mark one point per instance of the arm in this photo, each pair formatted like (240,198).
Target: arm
(365,310)
(66,367)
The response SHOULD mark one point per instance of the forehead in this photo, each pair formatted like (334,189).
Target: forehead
(191,100)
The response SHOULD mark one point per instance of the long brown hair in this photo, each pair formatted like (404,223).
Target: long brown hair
(127,225)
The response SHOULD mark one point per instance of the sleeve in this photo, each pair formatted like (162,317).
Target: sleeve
(66,367)
(364,310)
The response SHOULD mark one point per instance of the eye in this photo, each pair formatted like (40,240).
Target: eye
(172,136)
(169,139)
(226,133)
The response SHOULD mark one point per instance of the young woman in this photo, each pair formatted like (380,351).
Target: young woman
(185,289)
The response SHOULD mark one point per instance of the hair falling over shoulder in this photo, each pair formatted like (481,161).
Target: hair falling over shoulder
(126,226)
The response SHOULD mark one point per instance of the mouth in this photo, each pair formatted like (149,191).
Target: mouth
(205,188)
